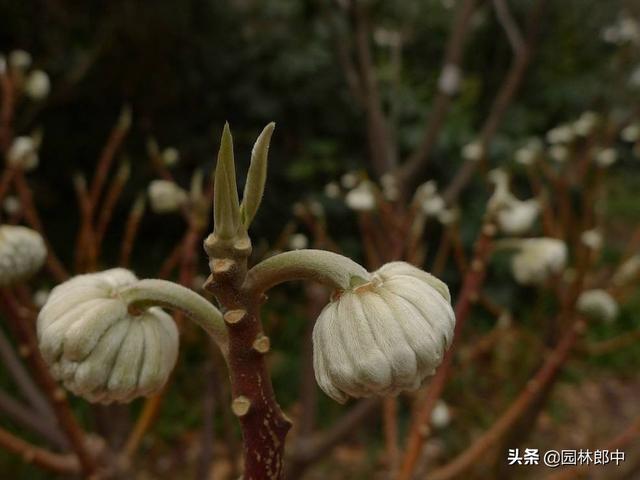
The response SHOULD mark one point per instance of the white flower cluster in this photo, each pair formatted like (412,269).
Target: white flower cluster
(22,253)
(23,152)
(362,198)
(597,304)
(537,259)
(35,83)
(625,30)
(97,348)
(513,216)
(384,336)
(165,196)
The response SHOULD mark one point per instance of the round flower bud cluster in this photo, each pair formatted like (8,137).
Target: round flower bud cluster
(298,241)
(529,153)
(631,133)
(100,350)
(628,271)
(37,85)
(362,198)
(384,336)
(513,216)
(606,157)
(473,152)
(22,253)
(429,200)
(165,196)
(170,156)
(586,124)
(562,134)
(597,304)
(23,153)
(537,259)
(592,239)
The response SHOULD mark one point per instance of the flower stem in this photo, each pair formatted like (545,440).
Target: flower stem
(162,293)
(321,266)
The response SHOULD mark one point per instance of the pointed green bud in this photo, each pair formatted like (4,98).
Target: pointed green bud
(226,208)
(257,176)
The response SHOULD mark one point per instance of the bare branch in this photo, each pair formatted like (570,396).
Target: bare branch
(509,25)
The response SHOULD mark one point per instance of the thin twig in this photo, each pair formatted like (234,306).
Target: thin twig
(64,464)
(426,402)
(509,25)
(545,376)
(22,323)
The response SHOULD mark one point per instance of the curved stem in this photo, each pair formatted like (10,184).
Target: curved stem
(162,293)
(321,266)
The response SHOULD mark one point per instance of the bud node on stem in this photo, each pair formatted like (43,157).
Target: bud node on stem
(240,406)
(234,316)
(262,344)
(222,265)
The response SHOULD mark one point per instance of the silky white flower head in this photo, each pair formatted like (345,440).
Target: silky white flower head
(513,216)
(440,416)
(165,196)
(361,198)
(631,133)
(586,123)
(298,241)
(100,350)
(22,253)
(23,153)
(20,60)
(529,153)
(597,304)
(332,190)
(384,336)
(37,85)
(592,239)
(170,156)
(537,259)
(628,271)
(561,134)
(606,157)
(473,151)
(559,153)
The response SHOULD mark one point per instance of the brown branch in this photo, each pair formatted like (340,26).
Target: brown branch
(131,230)
(22,323)
(383,156)
(6,111)
(427,401)
(627,436)
(442,102)
(21,376)
(64,464)
(110,200)
(501,103)
(117,136)
(509,25)
(545,376)
(310,451)
(32,217)
(31,420)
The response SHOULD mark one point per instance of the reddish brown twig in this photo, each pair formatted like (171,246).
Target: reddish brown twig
(117,136)
(426,402)
(32,217)
(501,103)
(63,464)
(6,111)
(452,61)
(21,322)
(131,230)
(545,375)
